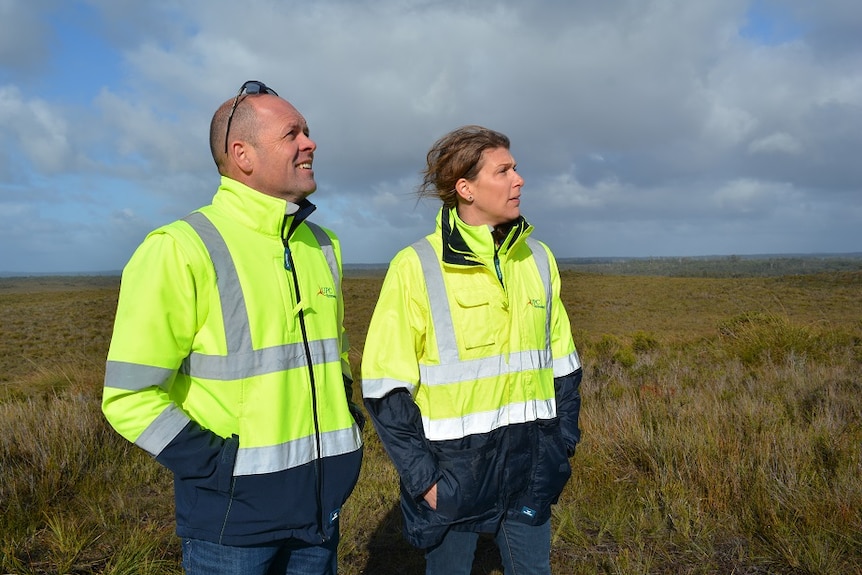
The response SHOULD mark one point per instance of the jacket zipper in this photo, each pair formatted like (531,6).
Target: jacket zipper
(318,467)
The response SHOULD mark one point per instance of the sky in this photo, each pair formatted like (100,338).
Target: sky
(642,128)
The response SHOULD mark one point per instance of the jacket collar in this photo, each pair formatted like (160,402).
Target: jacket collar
(468,245)
(262,213)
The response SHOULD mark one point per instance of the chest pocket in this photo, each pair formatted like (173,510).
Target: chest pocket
(474,319)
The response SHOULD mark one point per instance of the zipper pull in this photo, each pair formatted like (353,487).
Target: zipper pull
(287,264)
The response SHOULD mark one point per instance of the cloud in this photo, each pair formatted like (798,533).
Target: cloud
(24,36)
(39,132)
(779,142)
(658,127)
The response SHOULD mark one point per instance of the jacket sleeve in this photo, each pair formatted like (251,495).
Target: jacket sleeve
(390,372)
(399,426)
(566,359)
(153,331)
(567,365)
(568,393)
(355,410)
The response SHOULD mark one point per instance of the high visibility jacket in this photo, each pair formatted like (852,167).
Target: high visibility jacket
(228,363)
(471,377)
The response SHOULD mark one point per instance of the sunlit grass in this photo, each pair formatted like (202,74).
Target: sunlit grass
(721,434)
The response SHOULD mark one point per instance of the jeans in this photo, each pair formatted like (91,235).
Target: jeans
(525,550)
(281,558)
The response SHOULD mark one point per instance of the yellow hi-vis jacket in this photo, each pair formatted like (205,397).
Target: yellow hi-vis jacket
(229,364)
(471,377)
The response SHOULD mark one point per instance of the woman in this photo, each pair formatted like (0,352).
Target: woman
(469,370)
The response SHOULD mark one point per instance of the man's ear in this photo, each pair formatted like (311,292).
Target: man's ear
(243,156)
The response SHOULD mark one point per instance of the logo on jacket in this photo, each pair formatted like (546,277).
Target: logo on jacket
(536,303)
(327,292)
(528,511)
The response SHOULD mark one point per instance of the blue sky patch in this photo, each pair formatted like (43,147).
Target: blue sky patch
(770,24)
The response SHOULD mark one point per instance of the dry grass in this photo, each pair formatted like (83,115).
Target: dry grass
(722,432)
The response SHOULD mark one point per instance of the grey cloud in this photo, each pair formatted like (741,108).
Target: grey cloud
(641,128)
(24,35)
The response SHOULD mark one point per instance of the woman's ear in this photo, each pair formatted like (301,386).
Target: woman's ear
(462,188)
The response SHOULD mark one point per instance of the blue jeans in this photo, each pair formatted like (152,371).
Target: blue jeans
(525,550)
(282,558)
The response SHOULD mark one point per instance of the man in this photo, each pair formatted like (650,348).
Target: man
(228,361)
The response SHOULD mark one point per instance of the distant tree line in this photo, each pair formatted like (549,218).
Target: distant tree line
(717,266)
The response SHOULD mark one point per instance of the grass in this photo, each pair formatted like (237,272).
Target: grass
(721,434)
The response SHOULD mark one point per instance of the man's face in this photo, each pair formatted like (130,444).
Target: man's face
(284,152)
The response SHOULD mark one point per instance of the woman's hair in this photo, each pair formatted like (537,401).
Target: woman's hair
(456,155)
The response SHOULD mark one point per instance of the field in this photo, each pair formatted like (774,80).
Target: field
(721,417)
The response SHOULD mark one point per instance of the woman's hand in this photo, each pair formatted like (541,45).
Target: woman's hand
(430,497)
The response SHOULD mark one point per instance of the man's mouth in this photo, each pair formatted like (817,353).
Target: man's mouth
(304,166)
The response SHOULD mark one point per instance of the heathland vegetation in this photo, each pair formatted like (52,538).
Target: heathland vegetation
(722,426)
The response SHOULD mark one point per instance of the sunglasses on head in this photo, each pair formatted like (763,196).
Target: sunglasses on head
(250,87)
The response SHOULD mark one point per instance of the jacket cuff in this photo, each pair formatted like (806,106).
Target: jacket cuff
(193,453)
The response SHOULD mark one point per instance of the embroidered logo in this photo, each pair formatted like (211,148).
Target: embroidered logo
(327,292)
(536,303)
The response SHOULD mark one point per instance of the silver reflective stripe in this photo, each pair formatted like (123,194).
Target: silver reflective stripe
(259,362)
(441,316)
(135,377)
(273,458)
(471,369)
(234,312)
(566,365)
(510,414)
(162,430)
(328,252)
(378,388)
(540,256)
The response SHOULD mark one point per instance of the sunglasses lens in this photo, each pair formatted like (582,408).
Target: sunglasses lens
(250,87)
(258,88)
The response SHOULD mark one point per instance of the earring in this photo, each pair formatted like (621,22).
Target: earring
(469,198)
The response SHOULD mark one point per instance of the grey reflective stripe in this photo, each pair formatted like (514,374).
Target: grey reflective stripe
(242,360)
(540,256)
(162,430)
(471,369)
(378,388)
(566,365)
(234,312)
(441,316)
(272,458)
(328,251)
(481,422)
(135,377)
(259,362)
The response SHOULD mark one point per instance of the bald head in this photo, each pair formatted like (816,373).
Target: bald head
(242,127)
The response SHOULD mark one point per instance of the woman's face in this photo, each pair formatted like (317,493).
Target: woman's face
(493,197)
